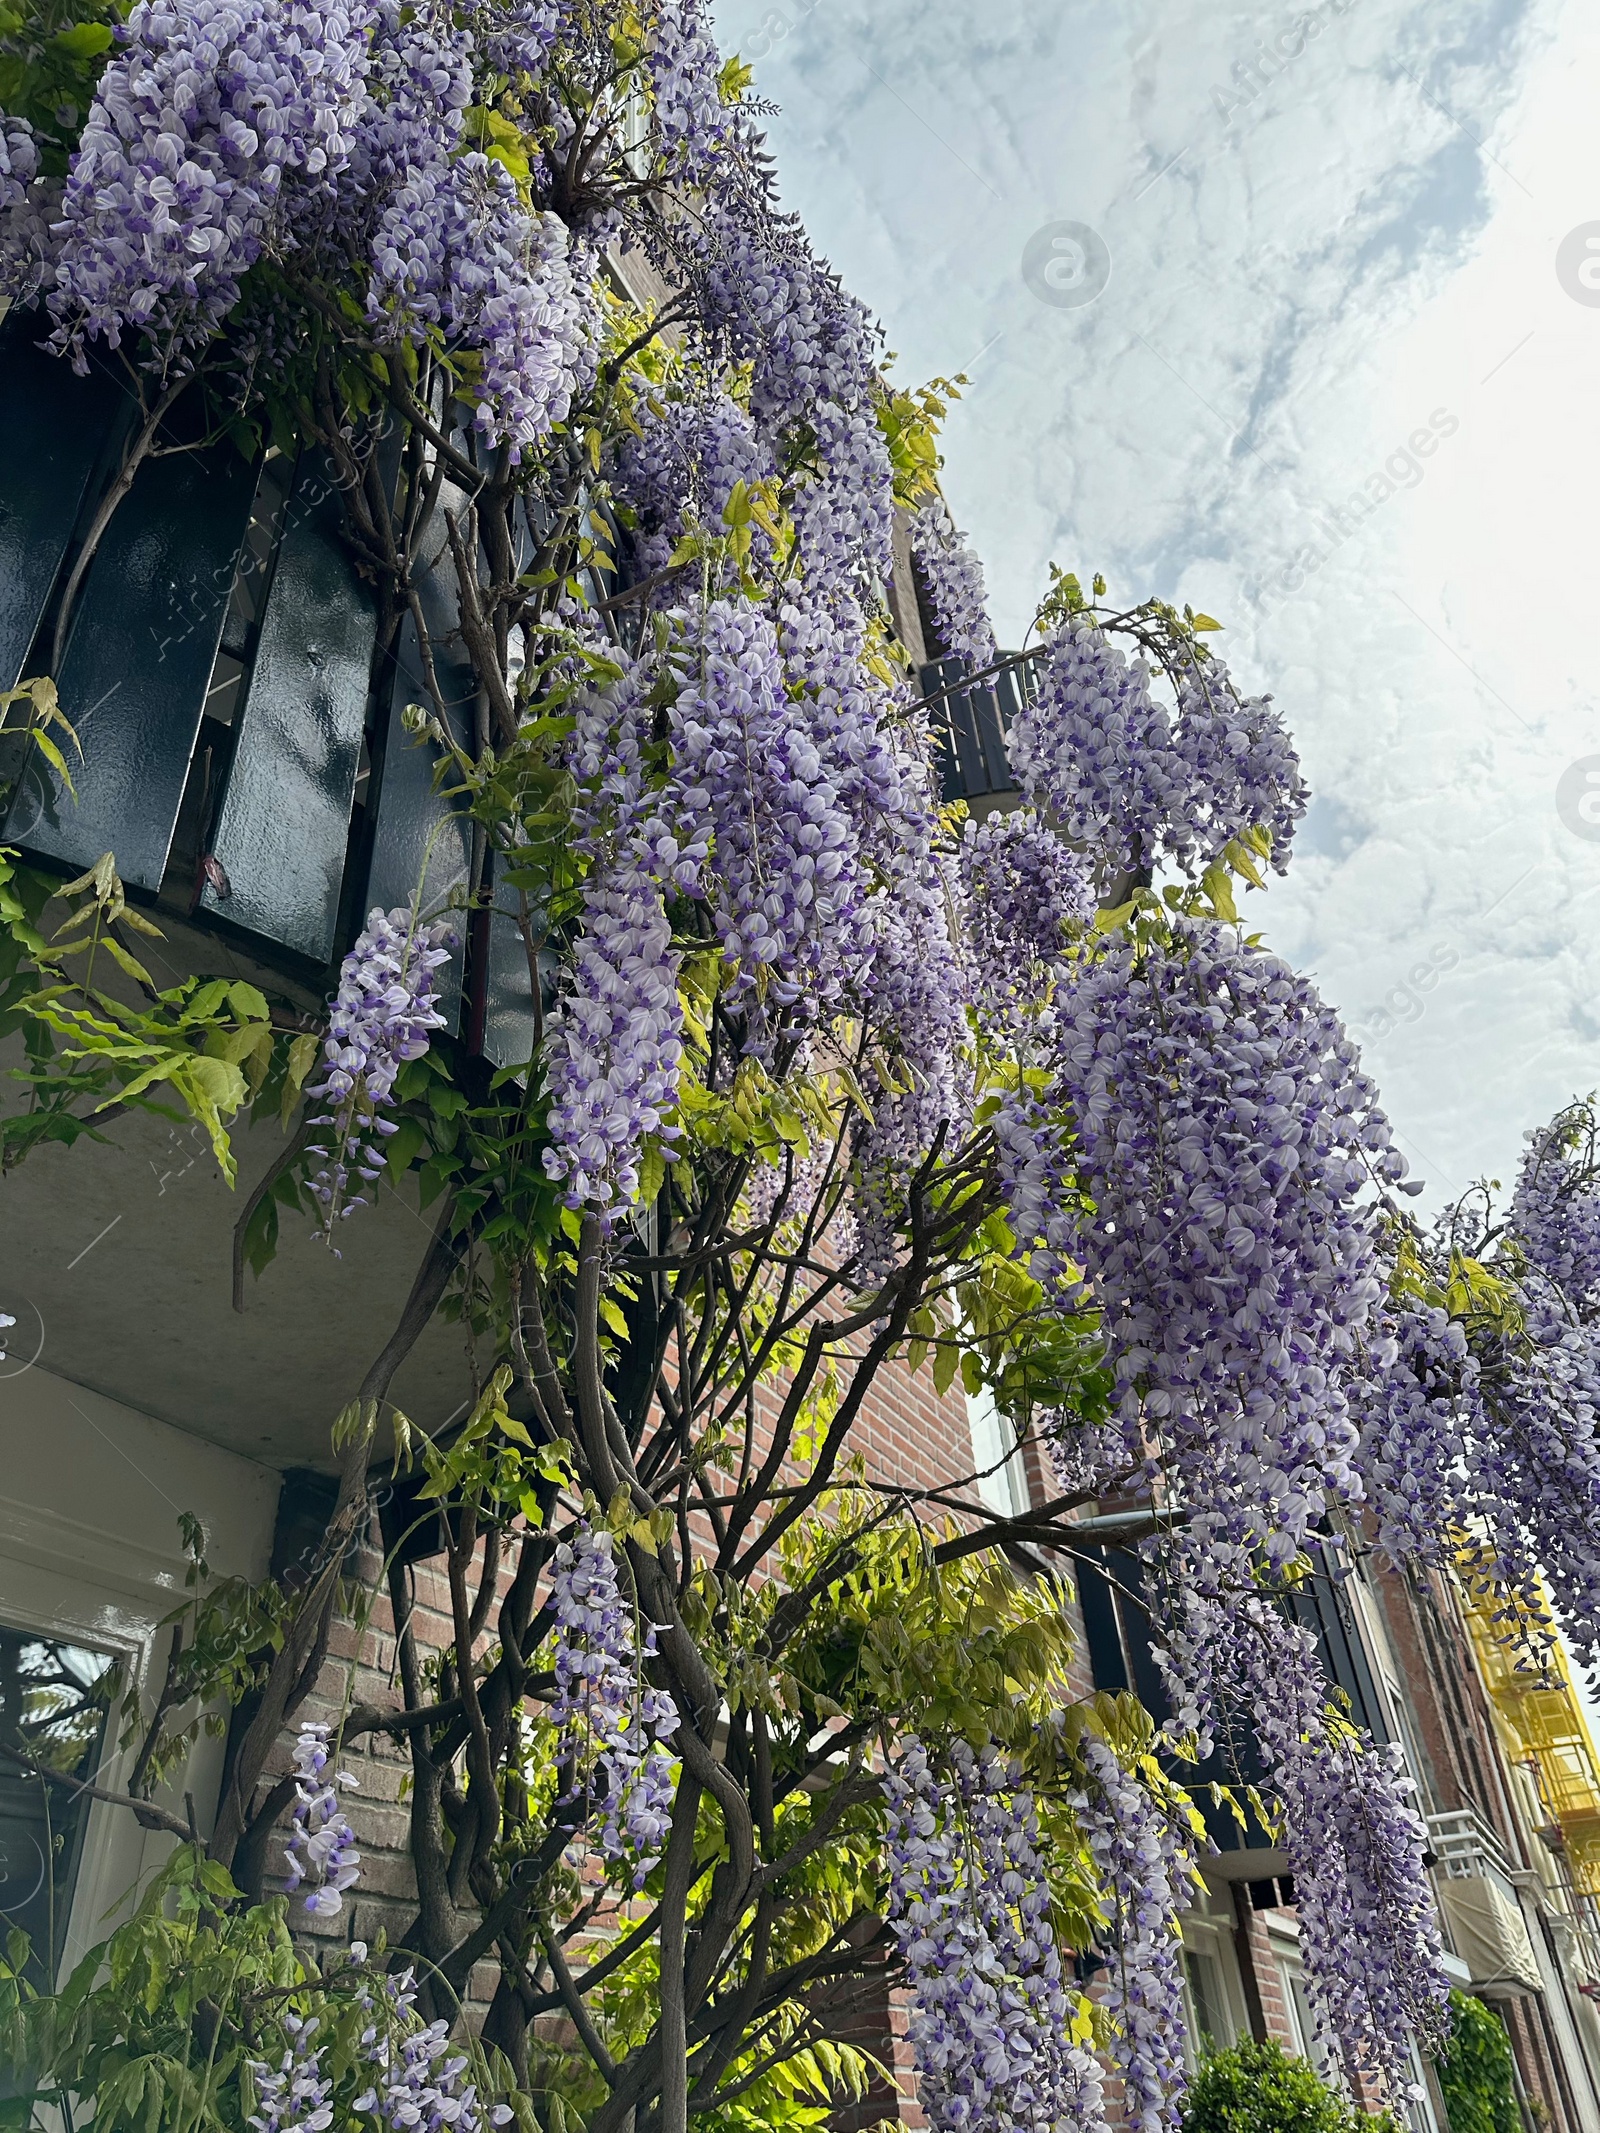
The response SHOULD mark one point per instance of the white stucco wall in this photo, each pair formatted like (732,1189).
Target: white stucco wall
(90,1493)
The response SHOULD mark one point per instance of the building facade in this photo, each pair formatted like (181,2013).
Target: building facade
(150,1380)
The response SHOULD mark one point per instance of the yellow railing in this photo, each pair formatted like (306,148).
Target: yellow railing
(1540,1717)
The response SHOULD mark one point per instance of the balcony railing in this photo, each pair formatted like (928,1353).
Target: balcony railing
(1477,1890)
(970,721)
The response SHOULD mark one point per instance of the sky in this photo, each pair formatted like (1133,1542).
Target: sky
(1316,351)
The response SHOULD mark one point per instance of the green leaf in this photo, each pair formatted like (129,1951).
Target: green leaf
(83,41)
(406,1143)
(247,1002)
(125,962)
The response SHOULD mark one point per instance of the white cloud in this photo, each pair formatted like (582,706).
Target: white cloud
(1368,240)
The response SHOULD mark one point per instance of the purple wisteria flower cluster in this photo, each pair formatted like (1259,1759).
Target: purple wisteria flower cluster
(608,1718)
(1027,897)
(456,249)
(684,465)
(321,1851)
(1356,1844)
(382,1015)
(1555,1206)
(813,353)
(209,114)
(751,821)
(419,2082)
(952,583)
(685,65)
(416,2078)
(1102,756)
(1487,1424)
(993,2003)
(784,880)
(1144,1861)
(1494,1432)
(28,208)
(1229,1143)
(231,131)
(296,2095)
(615,1040)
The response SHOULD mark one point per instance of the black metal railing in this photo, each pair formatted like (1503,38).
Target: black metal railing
(970,718)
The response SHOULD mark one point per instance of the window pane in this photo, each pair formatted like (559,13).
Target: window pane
(1002,1484)
(53,1704)
(1208,2007)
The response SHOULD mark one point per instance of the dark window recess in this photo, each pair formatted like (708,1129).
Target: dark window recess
(969,722)
(225,692)
(1274,1895)
(1116,1629)
(278,848)
(246,756)
(1325,1607)
(54,1701)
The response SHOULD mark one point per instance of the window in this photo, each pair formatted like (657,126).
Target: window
(1204,2005)
(1002,1484)
(54,1700)
(1213,2003)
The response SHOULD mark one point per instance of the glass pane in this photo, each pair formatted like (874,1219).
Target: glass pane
(1002,1485)
(1210,2014)
(54,1700)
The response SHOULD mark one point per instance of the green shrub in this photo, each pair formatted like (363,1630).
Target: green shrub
(1475,2073)
(1259,2088)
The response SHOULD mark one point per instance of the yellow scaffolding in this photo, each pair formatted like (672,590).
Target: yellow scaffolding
(1539,1714)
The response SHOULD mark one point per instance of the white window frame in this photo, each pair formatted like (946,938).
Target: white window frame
(996,1458)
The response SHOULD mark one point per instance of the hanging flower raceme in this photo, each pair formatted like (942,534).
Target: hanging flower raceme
(1356,1845)
(295,2096)
(952,579)
(1107,760)
(419,2075)
(28,208)
(615,1040)
(602,1708)
(685,68)
(1240,770)
(685,464)
(206,118)
(1419,1405)
(383,1013)
(1226,1137)
(1492,1432)
(814,369)
(1027,895)
(850,713)
(19,162)
(785,883)
(993,2008)
(456,249)
(1094,751)
(382,1016)
(1145,1864)
(321,1852)
(1555,1208)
